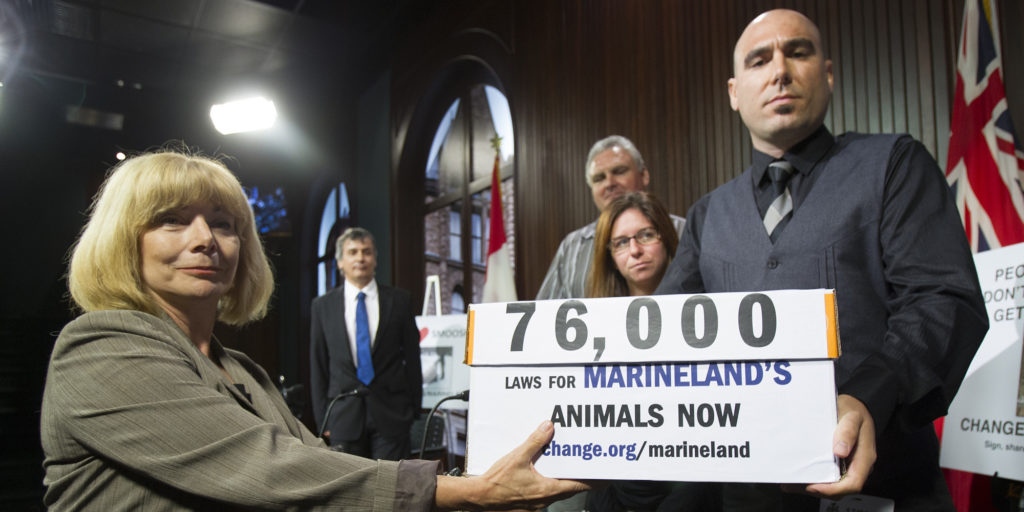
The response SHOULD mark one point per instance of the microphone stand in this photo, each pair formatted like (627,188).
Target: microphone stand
(426,426)
(327,415)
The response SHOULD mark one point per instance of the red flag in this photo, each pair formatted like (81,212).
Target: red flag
(500,284)
(984,169)
(984,165)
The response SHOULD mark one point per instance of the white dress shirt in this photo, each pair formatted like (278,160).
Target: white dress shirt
(372,313)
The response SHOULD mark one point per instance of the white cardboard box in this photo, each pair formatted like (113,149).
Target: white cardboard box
(709,407)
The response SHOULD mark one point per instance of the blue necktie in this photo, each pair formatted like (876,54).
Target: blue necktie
(364,368)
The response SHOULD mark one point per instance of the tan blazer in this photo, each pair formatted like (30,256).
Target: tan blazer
(134,417)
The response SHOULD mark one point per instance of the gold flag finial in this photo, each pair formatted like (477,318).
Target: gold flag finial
(496,142)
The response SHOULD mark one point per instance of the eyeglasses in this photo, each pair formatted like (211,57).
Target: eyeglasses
(645,236)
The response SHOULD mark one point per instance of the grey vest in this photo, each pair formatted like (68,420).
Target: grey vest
(832,241)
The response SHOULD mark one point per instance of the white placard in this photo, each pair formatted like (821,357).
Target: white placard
(442,352)
(787,324)
(984,430)
(744,421)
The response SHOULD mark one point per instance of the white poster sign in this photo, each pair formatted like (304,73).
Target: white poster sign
(442,352)
(984,430)
(697,404)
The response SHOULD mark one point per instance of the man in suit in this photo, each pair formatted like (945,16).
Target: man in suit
(363,340)
(614,167)
(868,215)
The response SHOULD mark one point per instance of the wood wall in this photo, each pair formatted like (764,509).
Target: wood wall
(656,72)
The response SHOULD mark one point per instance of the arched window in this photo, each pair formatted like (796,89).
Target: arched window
(458,302)
(458,192)
(333,221)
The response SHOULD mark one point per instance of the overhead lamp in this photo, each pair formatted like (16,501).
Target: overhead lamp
(243,115)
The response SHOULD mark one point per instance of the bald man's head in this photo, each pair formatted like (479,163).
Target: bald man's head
(781,82)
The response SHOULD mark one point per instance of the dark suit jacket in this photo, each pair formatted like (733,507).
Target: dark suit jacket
(135,417)
(397,388)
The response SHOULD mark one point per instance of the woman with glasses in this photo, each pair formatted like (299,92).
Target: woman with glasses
(633,244)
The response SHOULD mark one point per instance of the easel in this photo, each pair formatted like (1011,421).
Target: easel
(433,288)
(433,283)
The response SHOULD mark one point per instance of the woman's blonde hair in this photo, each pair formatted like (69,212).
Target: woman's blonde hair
(105,269)
(604,279)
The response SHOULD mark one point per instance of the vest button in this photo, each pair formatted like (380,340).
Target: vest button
(773,263)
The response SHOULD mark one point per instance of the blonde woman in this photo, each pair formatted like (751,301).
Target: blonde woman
(145,410)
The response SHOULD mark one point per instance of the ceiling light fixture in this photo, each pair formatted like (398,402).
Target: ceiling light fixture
(243,115)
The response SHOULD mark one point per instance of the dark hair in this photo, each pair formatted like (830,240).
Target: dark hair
(604,279)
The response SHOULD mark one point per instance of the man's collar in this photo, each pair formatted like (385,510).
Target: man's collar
(351,290)
(803,156)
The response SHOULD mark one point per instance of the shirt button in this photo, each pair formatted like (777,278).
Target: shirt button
(773,263)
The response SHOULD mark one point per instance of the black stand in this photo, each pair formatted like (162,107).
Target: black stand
(460,396)
(323,424)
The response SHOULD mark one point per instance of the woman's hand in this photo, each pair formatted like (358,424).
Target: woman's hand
(511,483)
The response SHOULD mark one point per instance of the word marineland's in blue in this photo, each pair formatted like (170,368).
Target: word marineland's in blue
(739,373)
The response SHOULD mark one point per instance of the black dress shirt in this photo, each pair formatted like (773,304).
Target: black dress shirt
(939,341)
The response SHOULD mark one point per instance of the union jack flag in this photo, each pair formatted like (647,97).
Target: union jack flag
(985,164)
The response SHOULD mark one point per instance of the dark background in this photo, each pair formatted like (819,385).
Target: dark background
(360,87)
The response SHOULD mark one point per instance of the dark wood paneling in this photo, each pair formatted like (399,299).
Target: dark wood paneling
(1011,19)
(656,72)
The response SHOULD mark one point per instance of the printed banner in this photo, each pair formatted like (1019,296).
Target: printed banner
(442,352)
(743,421)
(984,430)
(787,324)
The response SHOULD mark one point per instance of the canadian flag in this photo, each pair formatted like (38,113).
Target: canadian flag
(500,283)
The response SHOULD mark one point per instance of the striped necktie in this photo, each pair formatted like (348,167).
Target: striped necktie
(781,208)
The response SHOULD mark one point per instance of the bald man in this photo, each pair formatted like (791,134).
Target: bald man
(868,215)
